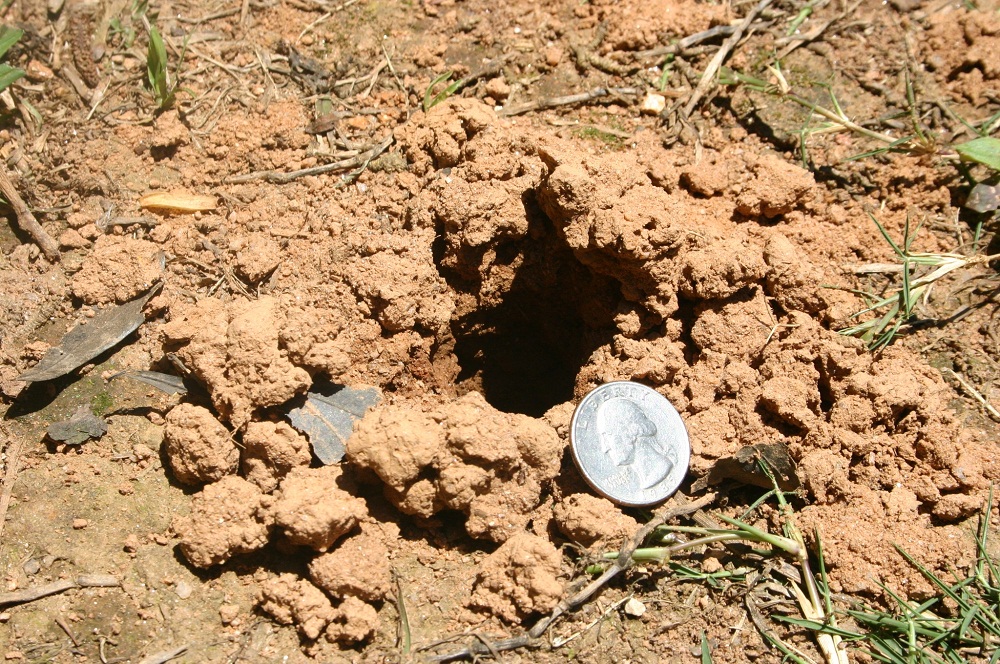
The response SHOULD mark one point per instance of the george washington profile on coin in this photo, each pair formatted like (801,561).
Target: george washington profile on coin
(629,438)
(630,443)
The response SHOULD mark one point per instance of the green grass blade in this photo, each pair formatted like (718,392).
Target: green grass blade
(816,626)
(885,235)
(8,37)
(156,69)
(984,560)
(8,75)
(905,293)
(891,147)
(706,651)
(430,99)
(962,600)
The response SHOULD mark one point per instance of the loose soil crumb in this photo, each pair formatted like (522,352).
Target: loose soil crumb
(462,455)
(589,520)
(228,517)
(270,451)
(117,270)
(311,510)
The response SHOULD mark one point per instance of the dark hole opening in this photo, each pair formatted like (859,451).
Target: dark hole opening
(520,366)
(524,351)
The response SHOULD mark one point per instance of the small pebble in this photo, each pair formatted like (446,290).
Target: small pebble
(228,613)
(131,544)
(80,524)
(183,589)
(634,608)
(32,567)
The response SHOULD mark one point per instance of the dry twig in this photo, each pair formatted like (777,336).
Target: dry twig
(276,177)
(620,564)
(708,78)
(165,656)
(567,100)
(13,451)
(25,219)
(56,587)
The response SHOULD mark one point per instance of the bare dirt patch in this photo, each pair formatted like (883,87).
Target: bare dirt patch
(483,262)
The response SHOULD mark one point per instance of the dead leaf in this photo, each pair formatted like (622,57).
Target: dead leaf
(78,429)
(328,419)
(161,381)
(745,467)
(85,342)
(983,198)
(177,201)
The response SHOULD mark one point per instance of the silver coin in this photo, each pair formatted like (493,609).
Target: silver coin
(630,444)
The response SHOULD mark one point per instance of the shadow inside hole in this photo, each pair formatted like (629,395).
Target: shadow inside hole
(524,349)
(521,367)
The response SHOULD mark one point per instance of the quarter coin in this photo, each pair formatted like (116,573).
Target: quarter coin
(630,444)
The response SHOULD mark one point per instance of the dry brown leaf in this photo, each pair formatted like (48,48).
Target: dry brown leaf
(177,201)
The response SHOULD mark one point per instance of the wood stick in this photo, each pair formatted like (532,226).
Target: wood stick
(165,656)
(708,78)
(277,177)
(13,451)
(25,220)
(580,98)
(56,587)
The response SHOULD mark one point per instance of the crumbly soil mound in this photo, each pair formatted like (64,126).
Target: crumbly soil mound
(270,451)
(462,455)
(519,578)
(227,518)
(234,350)
(528,275)
(312,510)
(591,521)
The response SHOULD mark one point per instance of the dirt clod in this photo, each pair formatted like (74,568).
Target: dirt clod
(457,455)
(311,510)
(228,517)
(588,520)
(198,446)
(358,567)
(519,578)
(271,451)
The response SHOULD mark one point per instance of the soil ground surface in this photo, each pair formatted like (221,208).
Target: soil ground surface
(483,210)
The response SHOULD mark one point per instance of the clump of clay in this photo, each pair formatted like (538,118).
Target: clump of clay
(293,600)
(312,510)
(354,621)
(402,289)
(358,567)
(436,139)
(233,348)
(227,518)
(519,578)
(118,269)
(271,450)
(290,599)
(462,455)
(199,448)
(774,188)
(256,257)
(587,520)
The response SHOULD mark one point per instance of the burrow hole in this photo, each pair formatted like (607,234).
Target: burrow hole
(524,348)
